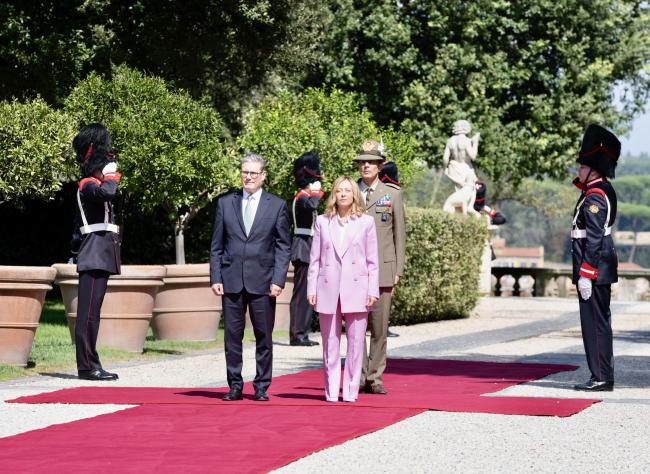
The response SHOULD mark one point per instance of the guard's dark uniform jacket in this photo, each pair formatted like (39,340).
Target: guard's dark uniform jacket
(304,210)
(100,244)
(594,257)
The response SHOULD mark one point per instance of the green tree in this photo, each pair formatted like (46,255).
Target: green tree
(529,75)
(330,123)
(46,46)
(34,149)
(633,206)
(170,147)
(231,52)
(540,214)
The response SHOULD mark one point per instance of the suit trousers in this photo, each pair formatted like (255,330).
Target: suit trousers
(374,361)
(92,288)
(261,309)
(596,324)
(300,311)
(355,332)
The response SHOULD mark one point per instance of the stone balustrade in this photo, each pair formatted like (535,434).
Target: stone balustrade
(633,285)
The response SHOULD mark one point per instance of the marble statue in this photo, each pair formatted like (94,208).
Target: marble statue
(460,151)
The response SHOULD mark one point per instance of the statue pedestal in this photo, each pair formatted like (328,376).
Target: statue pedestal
(485,282)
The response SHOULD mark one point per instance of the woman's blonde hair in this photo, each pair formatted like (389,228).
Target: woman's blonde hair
(357,207)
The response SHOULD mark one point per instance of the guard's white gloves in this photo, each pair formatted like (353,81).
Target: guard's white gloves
(315,186)
(110,168)
(584,287)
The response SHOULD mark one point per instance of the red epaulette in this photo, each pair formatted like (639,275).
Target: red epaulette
(596,191)
(303,192)
(85,181)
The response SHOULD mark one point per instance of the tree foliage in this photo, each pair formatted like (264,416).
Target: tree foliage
(330,123)
(634,202)
(529,75)
(170,147)
(34,149)
(227,51)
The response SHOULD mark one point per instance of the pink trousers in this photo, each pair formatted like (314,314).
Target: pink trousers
(355,331)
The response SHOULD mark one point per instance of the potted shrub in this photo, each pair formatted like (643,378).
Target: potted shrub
(127,307)
(34,150)
(172,156)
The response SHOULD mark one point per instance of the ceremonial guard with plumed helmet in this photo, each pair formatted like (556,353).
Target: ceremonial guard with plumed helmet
(96,244)
(594,256)
(307,175)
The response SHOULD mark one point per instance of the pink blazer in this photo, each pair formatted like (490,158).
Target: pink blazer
(351,271)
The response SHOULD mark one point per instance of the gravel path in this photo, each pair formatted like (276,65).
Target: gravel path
(608,436)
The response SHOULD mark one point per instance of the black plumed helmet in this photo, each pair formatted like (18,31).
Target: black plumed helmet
(599,150)
(389,173)
(306,169)
(92,147)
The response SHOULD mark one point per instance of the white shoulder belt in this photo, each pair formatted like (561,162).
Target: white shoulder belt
(102,226)
(582,233)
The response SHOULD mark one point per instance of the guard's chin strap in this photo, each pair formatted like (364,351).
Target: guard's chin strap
(588,174)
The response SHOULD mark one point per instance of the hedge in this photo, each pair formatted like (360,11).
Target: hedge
(443,260)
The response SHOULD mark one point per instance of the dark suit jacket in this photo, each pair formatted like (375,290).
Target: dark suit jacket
(256,261)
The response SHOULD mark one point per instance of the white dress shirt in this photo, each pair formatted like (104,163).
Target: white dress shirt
(364,189)
(254,203)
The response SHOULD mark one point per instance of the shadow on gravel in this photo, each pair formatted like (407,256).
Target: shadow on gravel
(58,375)
(630,371)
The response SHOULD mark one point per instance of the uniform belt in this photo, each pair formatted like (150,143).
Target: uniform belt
(87,229)
(301,231)
(582,233)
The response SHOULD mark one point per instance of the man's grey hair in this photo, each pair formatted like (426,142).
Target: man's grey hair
(253,158)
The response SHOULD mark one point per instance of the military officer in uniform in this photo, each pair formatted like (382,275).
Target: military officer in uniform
(97,245)
(390,174)
(383,201)
(594,256)
(306,172)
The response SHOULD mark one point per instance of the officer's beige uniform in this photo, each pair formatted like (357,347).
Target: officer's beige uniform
(387,208)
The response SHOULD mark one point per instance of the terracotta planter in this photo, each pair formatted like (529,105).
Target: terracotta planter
(22,292)
(127,308)
(185,308)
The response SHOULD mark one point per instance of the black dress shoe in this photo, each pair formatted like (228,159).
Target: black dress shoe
(232,395)
(376,390)
(303,342)
(391,333)
(97,374)
(261,396)
(594,385)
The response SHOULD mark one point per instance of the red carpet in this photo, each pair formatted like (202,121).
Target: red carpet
(193,430)
(190,438)
(445,385)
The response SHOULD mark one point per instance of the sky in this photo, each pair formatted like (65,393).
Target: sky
(637,140)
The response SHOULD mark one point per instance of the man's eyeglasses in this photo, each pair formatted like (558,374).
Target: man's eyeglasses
(252,174)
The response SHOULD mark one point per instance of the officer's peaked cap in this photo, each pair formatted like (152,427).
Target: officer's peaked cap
(599,150)
(370,151)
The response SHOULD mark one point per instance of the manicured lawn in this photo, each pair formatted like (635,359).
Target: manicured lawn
(53,350)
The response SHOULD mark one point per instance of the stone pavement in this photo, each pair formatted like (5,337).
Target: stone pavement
(608,436)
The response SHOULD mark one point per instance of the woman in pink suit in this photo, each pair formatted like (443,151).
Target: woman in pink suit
(343,280)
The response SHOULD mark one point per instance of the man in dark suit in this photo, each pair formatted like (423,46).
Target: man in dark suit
(249,258)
